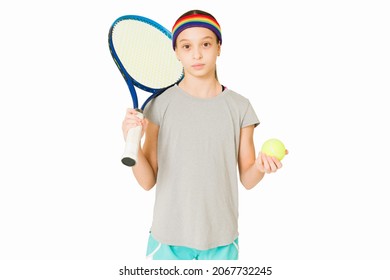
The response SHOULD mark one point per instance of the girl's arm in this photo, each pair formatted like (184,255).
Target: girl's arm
(252,170)
(145,171)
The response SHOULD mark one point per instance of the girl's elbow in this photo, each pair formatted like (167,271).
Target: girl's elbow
(148,186)
(247,185)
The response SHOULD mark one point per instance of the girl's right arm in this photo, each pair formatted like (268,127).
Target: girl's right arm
(145,171)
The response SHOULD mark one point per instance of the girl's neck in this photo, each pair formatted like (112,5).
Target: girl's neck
(201,88)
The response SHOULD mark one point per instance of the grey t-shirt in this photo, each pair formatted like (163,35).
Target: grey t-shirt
(196,202)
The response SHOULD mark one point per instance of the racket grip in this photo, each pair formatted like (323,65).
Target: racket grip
(130,155)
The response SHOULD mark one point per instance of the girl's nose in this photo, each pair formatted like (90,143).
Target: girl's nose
(197,54)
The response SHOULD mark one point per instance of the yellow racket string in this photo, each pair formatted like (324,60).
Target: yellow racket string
(146,53)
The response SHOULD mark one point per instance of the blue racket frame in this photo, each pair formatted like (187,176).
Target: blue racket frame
(130,81)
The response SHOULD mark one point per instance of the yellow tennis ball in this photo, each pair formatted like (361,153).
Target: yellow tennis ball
(275,148)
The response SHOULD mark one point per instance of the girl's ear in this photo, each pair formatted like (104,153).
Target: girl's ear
(219,49)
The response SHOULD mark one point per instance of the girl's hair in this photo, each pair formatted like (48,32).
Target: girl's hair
(203,13)
(196,12)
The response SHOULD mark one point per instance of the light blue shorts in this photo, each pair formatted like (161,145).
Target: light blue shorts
(159,251)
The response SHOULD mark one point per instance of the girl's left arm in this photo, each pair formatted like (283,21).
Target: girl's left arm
(253,169)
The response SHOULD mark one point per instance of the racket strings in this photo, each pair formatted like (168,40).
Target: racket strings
(146,54)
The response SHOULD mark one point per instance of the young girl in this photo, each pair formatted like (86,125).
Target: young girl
(196,133)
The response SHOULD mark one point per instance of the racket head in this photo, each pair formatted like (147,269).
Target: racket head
(142,51)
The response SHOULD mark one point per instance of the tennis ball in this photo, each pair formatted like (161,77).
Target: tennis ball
(275,148)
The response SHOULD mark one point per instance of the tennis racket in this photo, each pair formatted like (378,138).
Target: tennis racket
(142,51)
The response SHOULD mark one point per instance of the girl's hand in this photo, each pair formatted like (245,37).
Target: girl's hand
(131,120)
(268,164)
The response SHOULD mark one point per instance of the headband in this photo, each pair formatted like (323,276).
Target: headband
(196,21)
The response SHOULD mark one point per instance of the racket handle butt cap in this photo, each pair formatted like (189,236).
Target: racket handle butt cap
(128,161)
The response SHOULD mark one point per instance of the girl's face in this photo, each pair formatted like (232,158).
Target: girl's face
(197,48)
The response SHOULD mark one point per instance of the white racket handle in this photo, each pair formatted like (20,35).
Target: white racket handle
(130,155)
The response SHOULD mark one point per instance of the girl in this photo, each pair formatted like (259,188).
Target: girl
(196,133)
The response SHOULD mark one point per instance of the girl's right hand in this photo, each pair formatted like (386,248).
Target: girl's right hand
(131,120)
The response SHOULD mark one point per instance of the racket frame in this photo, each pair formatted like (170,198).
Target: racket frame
(129,157)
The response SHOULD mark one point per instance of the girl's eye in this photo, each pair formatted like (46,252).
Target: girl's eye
(206,44)
(186,47)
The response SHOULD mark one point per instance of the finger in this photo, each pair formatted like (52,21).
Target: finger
(259,163)
(272,165)
(267,168)
(269,164)
(132,117)
(277,162)
(131,112)
(130,123)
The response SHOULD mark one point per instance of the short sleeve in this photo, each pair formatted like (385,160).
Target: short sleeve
(155,109)
(250,117)
(152,112)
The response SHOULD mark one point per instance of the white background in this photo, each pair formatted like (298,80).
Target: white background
(316,72)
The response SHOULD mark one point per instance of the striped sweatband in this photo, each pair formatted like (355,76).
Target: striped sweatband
(195,21)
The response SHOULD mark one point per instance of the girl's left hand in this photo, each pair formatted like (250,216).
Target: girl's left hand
(268,164)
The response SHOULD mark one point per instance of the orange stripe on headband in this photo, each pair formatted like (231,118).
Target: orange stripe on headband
(195,21)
